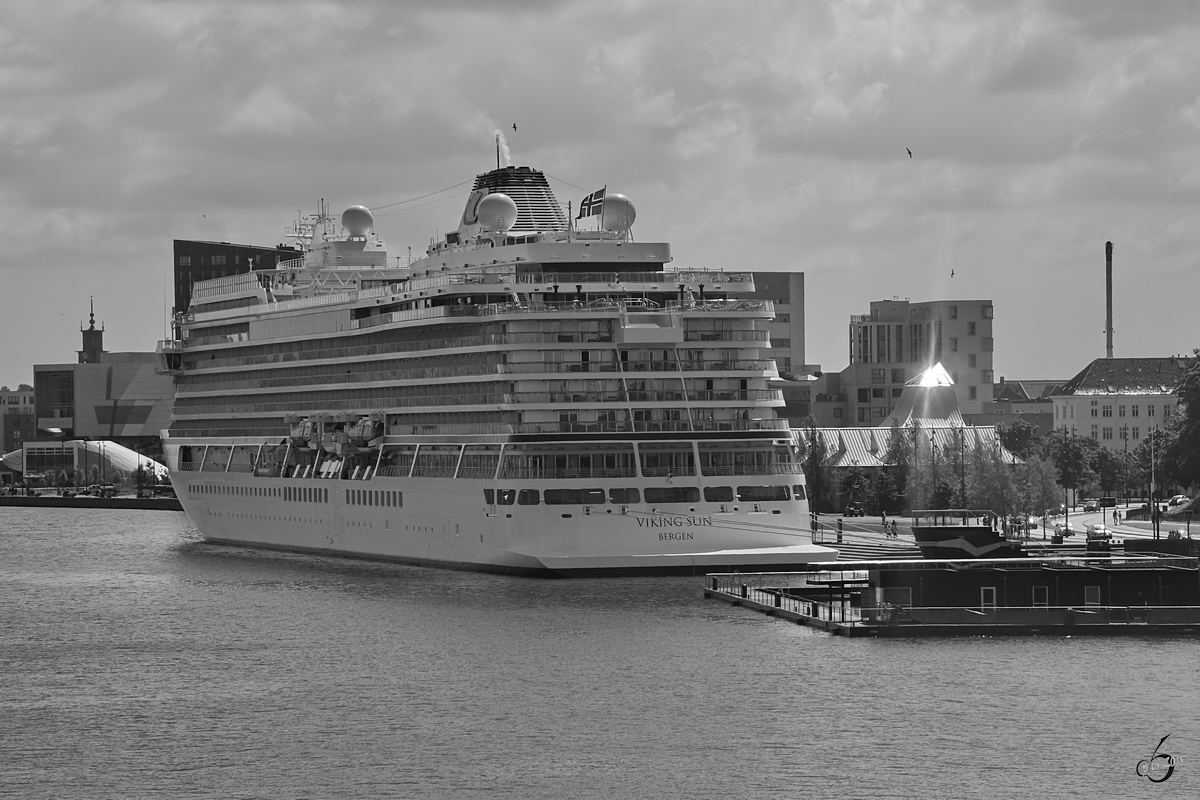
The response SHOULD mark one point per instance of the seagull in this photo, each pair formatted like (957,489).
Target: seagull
(951,273)
(909,152)
(514,126)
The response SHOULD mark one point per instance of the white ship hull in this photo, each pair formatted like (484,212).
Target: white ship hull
(444,522)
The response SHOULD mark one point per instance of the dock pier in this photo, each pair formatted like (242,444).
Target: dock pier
(1056,595)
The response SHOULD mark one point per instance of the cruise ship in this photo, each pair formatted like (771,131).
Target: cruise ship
(538,393)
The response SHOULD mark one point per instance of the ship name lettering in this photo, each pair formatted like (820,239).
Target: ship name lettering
(673,522)
(675,535)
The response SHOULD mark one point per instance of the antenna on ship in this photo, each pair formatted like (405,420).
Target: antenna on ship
(497,151)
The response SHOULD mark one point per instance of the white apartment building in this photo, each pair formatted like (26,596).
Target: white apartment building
(1119,401)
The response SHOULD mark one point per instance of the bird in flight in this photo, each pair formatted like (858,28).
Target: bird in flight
(514,126)
(951,273)
(909,152)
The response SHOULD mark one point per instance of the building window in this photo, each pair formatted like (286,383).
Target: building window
(862,414)
(953,344)
(864,396)
(896,391)
(897,376)
(972,392)
(1137,433)
(953,312)
(1166,411)
(783,364)
(878,392)
(1107,411)
(878,376)
(185,261)
(954,376)
(1120,411)
(971,328)
(985,312)
(1149,410)
(987,376)
(218,260)
(879,413)
(783,317)
(837,413)
(1133,411)
(970,359)
(1095,408)
(986,344)
(784,343)
(1095,431)
(1106,433)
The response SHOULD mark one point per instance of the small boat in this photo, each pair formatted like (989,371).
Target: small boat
(961,533)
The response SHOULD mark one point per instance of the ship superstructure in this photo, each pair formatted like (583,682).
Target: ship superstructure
(525,397)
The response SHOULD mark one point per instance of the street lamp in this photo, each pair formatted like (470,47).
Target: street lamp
(1125,462)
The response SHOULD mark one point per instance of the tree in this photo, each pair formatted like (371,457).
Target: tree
(1070,455)
(814,457)
(1018,437)
(1037,486)
(1181,456)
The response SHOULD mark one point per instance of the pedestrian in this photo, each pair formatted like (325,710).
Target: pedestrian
(1116,517)
(883,515)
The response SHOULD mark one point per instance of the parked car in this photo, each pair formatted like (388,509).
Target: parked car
(1098,533)
(854,510)
(1091,505)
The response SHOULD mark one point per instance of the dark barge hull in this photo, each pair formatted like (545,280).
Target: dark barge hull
(964,541)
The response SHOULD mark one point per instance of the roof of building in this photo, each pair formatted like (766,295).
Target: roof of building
(1026,391)
(867,447)
(1106,376)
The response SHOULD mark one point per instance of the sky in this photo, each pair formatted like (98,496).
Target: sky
(763,136)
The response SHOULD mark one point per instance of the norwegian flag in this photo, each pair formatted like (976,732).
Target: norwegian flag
(592,204)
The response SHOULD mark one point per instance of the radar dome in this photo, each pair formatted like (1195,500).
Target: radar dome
(619,213)
(497,212)
(357,220)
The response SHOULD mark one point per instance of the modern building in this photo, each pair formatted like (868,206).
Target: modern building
(786,291)
(899,340)
(17,422)
(112,396)
(1119,401)
(201,261)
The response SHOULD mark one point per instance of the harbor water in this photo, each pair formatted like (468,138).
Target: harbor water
(137,661)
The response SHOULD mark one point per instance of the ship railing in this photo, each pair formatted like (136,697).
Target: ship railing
(513,473)
(709,395)
(169,346)
(226,284)
(720,306)
(715,470)
(197,341)
(726,336)
(331,299)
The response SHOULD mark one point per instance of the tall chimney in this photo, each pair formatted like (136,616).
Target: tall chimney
(1108,296)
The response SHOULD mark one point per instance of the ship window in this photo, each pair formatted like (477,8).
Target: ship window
(749,494)
(673,494)
(563,497)
(987,597)
(624,496)
(528,497)
(1091,595)
(506,497)
(1041,596)
(489,496)
(798,491)
(718,494)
